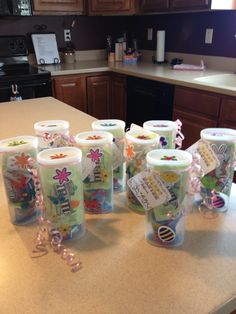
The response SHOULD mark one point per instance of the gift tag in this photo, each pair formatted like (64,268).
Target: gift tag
(87,167)
(208,160)
(149,189)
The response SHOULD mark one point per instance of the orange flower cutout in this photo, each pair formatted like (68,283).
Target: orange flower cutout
(22,160)
(58,156)
(130,151)
(94,137)
(143,137)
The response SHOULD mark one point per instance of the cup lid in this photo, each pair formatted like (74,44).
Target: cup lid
(160,125)
(18,143)
(219,134)
(169,158)
(108,124)
(51,126)
(141,136)
(59,155)
(94,138)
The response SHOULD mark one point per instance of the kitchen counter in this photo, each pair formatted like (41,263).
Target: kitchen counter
(147,70)
(121,272)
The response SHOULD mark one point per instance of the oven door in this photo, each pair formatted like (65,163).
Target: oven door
(26,89)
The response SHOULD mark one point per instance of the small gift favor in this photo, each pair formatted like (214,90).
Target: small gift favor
(138,143)
(16,153)
(62,186)
(50,133)
(96,147)
(165,223)
(167,130)
(117,129)
(216,185)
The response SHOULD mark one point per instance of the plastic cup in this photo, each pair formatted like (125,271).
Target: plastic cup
(49,133)
(96,146)
(117,129)
(216,185)
(166,129)
(165,223)
(138,143)
(62,186)
(19,185)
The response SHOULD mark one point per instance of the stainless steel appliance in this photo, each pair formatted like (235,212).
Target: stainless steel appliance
(15,7)
(18,79)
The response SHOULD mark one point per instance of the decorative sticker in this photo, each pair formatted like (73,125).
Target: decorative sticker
(108,124)
(17,143)
(22,161)
(58,156)
(95,155)
(62,175)
(163,141)
(171,158)
(130,151)
(94,137)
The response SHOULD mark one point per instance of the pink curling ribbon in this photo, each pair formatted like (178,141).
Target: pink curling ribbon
(46,233)
(179,136)
(52,138)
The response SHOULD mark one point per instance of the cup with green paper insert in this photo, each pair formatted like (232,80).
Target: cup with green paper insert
(62,187)
(216,185)
(165,223)
(16,153)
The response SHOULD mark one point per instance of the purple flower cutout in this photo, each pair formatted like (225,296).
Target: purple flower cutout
(62,175)
(95,155)
(163,141)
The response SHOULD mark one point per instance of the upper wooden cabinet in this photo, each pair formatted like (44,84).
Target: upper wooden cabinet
(189,4)
(154,5)
(112,7)
(58,6)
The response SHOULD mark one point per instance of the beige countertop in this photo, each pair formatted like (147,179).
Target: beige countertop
(148,70)
(121,272)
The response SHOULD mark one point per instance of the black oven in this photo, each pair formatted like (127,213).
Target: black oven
(18,79)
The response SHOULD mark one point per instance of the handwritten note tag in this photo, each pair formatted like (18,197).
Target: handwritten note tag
(87,167)
(209,160)
(149,189)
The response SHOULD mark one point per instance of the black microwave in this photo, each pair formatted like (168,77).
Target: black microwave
(15,8)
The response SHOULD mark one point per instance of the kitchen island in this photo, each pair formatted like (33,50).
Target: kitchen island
(121,272)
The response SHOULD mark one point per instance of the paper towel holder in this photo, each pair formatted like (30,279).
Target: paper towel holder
(158,62)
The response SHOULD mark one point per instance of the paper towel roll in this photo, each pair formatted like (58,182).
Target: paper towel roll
(160,50)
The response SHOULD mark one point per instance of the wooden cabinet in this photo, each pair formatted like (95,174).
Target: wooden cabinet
(71,89)
(118,97)
(228,113)
(98,96)
(107,7)
(154,5)
(58,7)
(197,110)
(189,4)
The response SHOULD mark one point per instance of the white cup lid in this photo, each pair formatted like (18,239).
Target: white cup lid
(108,124)
(60,155)
(160,125)
(219,134)
(169,157)
(94,138)
(18,143)
(141,136)
(51,126)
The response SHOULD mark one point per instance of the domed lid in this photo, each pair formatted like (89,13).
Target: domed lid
(60,155)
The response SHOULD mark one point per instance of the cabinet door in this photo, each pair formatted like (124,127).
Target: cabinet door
(192,126)
(154,5)
(71,89)
(98,95)
(228,113)
(112,6)
(118,97)
(190,4)
(58,6)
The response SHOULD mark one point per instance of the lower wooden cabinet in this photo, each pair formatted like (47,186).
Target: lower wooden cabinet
(102,95)
(71,89)
(228,112)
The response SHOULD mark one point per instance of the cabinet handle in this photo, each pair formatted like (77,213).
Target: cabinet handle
(68,84)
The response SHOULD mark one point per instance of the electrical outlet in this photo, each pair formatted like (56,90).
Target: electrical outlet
(208,35)
(149,34)
(67,35)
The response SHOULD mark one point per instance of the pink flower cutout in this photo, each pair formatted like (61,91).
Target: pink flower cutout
(95,155)
(62,176)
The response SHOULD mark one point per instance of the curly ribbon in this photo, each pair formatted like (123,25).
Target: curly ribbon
(46,233)
(179,136)
(52,138)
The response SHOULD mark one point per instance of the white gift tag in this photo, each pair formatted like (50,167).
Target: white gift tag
(87,167)
(134,126)
(149,189)
(208,160)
